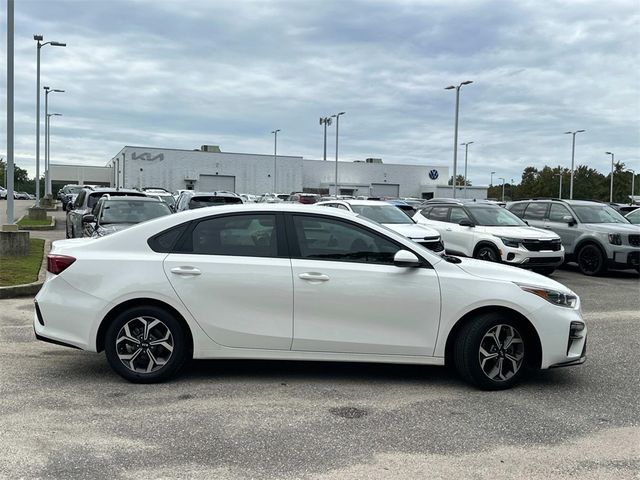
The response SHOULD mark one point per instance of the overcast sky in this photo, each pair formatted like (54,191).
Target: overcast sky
(180,74)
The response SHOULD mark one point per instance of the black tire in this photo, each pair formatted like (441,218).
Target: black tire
(168,362)
(488,253)
(468,356)
(545,271)
(591,260)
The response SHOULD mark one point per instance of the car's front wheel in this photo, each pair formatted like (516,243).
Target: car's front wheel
(492,351)
(591,260)
(146,345)
(487,253)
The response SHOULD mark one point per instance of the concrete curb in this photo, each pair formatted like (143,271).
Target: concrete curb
(29,289)
(35,228)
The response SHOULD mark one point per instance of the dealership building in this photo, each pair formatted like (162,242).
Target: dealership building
(210,169)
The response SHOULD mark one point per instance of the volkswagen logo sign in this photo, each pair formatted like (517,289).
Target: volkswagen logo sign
(433,174)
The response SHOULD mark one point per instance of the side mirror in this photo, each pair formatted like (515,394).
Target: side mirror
(569,219)
(466,223)
(405,258)
(88,218)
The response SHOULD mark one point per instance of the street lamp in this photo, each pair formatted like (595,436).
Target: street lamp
(491,182)
(560,189)
(633,185)
(325,121)
(611,188)
(502,188)
(275,153)
(39,38)
(573,153)
(466,151)
(337,117)
(455,134)
(47,146)
(47,179)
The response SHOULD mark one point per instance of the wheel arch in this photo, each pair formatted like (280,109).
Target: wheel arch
(590,241)
(528,327)
(485,243)
(139,302)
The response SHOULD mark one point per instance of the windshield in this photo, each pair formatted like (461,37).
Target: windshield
(495,217)
(212,200)
(382,213)
(598,214)
(132,211)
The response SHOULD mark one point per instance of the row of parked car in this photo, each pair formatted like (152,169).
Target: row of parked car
(537,234)
(16,195)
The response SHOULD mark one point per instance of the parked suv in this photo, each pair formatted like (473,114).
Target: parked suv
(593,234)
(84,204)
(391,217)
(189,199)
(488,232)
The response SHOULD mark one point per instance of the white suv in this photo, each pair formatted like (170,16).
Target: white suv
(391,217)
(488,232)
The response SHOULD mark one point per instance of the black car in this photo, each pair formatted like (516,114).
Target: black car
(189,199)
(84,204)
(114,213)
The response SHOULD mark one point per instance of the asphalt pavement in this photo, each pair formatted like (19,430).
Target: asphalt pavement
(64,414)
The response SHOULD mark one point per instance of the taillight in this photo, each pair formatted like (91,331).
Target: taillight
(57,264)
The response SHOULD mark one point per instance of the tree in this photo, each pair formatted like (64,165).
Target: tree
(460,181)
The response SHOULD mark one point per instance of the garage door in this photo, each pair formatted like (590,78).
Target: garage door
(385,190)
(214,183)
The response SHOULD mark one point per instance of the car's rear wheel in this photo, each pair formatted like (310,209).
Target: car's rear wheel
(487,253)
(146,344)
(591,260)
(492,351)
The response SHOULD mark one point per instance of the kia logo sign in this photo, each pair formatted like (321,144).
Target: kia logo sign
(433,174)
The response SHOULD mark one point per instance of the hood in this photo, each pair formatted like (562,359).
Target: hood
(110,228)
(520,232)
(413,231)
(507,273)
(625,228)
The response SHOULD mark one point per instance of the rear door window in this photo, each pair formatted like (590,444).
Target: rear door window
(518,209)
(439,214)
(557,212)
(458,214)
(536,211)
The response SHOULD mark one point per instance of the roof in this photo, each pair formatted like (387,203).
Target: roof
(357,202)
(127,198)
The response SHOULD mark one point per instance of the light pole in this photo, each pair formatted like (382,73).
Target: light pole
(325,121)
(502,187)
(8,169)
(560,189)
(466,151)
(573,154)
(337,117)
(47,148)
(275,157)
(611,188)
(491,183)
(455,132)
(633,185)
(39,38)
(47,180)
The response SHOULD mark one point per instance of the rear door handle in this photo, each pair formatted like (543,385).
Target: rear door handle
(314,277)
(186,271)
(448,229)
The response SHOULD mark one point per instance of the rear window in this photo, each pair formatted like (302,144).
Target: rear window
(94,197)
(211,200)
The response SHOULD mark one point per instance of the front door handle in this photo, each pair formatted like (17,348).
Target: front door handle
(314,277)
(186,271)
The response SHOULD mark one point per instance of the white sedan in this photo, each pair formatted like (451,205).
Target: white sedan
(292,282)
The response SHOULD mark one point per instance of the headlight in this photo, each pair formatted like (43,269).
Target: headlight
(615,239)
(510,242)
(560,299)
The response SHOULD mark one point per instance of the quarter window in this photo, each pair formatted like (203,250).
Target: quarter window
(237,235)
(334,240)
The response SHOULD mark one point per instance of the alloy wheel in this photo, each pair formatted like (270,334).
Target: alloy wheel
(501,352)
(487,254)
(144,344)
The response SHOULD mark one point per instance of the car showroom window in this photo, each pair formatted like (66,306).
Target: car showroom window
(329,239)
(236,235)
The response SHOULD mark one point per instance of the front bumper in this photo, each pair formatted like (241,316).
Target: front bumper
(521,257)
(624,257)
(579,361)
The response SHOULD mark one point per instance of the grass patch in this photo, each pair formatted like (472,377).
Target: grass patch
(20,270)
(27,222)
